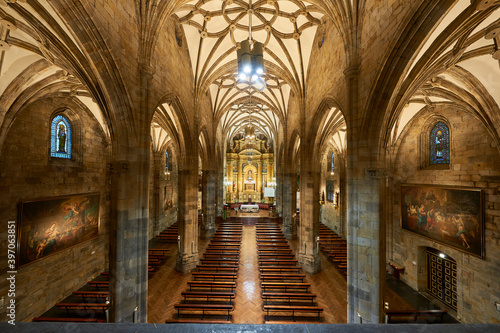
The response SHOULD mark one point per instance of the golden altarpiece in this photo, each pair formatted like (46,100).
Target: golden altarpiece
(249,169)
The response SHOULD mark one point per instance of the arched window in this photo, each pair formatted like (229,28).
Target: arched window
(332,162)
(60,137)
(439,144)
(167,160)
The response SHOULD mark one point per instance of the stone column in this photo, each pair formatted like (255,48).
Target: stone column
(187,257)
(208,204)
(366,263)
(219,188)
(279,190)
(128,231)
(158,169)
(309,257)
(289,201)
(128,235)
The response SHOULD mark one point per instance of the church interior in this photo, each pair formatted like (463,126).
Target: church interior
(250,161)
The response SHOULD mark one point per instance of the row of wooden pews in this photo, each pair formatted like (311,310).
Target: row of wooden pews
(156,257)
(285,292)
(210,296)
(334,247)
(89,304)
(170,234)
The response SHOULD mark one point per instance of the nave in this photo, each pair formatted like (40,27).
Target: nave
(166,286)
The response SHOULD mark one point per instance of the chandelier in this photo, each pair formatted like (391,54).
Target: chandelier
(251,60)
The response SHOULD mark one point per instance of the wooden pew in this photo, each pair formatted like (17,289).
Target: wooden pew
(278,262)
(413,315)
(68,320)
(208,295)
(293,309)
(83,306)
(221,255)
(266,256)
(102,296)
(99,284)
(212,285)
(209,275)
(219,261)
(217,268)
(196,321)
(275,251)
(285,286)
(267,296)
(280,269)
(281,277)
(204,308)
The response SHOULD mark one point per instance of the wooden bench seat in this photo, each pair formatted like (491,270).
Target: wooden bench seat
(101,295)
(68,320)
(271,246)
(159,251)
(217,268)
(413,315)
(208,295)
(280,269)
(219,261)
(212,285)
(83,306)
(221,255)
(204,308)
(267,296)
(280,256)
(222,249)
(293,309)
(278,262)
(281,277)
(99,284)
(214,276)
(285,286)
(275,251)
(196,321)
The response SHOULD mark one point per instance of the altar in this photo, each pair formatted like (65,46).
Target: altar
(248,208)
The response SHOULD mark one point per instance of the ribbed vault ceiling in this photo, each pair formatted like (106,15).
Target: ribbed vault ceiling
(213,32)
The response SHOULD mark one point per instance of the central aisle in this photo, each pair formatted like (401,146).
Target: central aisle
(248,302)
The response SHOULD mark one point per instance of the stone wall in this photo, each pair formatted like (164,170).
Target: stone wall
(475,163)
(28,173)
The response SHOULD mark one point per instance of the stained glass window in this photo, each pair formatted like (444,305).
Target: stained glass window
(167,160)
(60,137)
(439,144)
(332,162)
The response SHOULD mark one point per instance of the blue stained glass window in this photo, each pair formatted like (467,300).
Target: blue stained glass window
(439,144)
(333,158)
(60,137)
(167,161)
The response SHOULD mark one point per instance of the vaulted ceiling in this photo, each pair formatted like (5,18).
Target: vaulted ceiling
(214,30)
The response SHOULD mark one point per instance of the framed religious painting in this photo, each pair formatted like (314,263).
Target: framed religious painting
(168,194)
(449,215)
(48,226)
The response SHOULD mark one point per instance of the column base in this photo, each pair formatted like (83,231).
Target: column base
(289,232)
(207,233)
(186,263)
(310,263)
